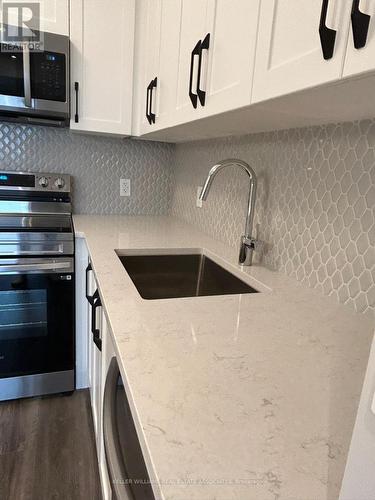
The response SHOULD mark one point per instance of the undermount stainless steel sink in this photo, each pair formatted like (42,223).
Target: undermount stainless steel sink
(174,276)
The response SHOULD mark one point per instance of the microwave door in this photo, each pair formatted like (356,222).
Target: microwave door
(34,85)
(12,87)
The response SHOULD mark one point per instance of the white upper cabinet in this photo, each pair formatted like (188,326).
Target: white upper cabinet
(157,56)
(202,58)
(203,52)
(194,27)
(151,17)
(360,54)
(216,58)
(227,69)
(102,41)
(53,14)
(292,37)
(168,62)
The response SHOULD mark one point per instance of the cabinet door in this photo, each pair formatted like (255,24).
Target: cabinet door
(194,26)
(94,356)
(361,35)
(90,288)
(97,374)
(53,15)
(82,313)
(289,54)
(232,25)
(102,37)
(226,67)
(168,62)
(96,388)
(151,22)
(158,51)
(108,352)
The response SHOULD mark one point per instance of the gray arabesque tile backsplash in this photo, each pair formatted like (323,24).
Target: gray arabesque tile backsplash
(96,163)
(315,205)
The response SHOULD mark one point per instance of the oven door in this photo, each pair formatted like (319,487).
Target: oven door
(36,317)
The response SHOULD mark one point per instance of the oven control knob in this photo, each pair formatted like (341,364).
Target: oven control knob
(59,183)
(43,182)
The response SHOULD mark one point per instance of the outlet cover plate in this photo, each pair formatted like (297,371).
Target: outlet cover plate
(124,187)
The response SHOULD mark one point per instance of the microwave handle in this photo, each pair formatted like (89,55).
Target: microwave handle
(26,76)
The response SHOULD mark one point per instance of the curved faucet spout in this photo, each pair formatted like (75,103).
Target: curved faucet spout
(247,241)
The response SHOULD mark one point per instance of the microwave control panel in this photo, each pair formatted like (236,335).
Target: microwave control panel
(48,76)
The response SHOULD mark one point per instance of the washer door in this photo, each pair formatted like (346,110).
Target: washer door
(126,466)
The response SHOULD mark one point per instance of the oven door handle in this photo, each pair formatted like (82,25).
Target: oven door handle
(50,266)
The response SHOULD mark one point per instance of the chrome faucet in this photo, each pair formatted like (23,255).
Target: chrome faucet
(248,243)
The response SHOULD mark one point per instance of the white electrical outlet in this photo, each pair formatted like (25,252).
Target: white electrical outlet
(199,202)
(124,187)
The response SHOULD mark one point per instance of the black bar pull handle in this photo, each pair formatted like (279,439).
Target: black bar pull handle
(148,105)
(327,35)
(95,331)
(153,85)
(96,303)
(360,25)
(196,52)
(98,342)
(76,89)
(205,45)
(90,298)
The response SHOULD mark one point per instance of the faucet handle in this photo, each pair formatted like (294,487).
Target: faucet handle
(248,245)
(253,243)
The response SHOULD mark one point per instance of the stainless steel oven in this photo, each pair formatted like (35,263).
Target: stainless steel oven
(37,342)
(36,326)
(34,86)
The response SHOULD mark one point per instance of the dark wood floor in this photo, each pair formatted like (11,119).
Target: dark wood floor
(47,449)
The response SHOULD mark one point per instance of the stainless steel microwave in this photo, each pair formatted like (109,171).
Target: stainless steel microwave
(34,86)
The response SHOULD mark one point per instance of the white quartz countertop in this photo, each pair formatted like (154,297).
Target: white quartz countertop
(249,397)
